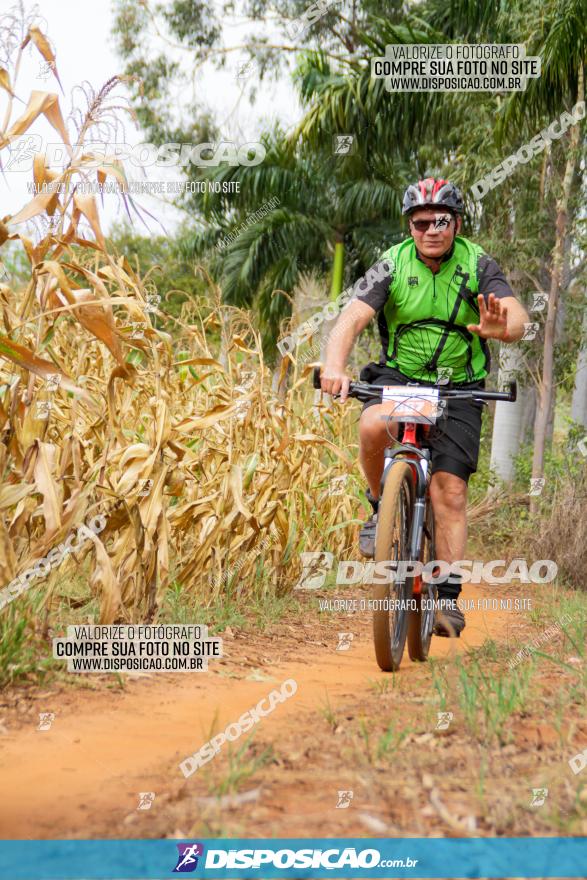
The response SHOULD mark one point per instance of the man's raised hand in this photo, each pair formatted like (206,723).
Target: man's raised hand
(493,319)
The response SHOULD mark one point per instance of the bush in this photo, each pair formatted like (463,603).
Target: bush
(18,643)
(560,530)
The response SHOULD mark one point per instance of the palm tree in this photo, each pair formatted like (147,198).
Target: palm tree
(321,208)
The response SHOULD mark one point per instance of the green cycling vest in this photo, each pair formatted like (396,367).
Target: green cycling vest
(424,321)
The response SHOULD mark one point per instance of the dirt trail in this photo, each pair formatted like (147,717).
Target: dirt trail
(82,777)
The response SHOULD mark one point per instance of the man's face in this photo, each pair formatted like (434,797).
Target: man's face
(437,238)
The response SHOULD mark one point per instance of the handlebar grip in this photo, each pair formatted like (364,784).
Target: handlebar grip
(513,395)
(316,378)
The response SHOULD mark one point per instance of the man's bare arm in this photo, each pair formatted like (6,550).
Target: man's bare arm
(517,316)
(350,324)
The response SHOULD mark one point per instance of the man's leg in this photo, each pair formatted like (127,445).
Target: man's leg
(374,437)
(454,442)
(449,503)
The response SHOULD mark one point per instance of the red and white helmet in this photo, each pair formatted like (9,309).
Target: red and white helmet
(432,193)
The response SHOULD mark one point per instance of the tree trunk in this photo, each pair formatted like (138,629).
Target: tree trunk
(546,384)
(508,419)
(337,268)
(335,291)
(559,330)
(550,422)
(529,414)
(579,402)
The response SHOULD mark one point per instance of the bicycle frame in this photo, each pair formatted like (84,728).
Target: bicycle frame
(419,460)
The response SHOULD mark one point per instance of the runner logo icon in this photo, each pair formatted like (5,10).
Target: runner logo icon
(187,861)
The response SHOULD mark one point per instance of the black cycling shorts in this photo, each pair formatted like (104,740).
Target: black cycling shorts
(454,439)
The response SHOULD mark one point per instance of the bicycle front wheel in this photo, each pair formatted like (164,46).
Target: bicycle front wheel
(392,541)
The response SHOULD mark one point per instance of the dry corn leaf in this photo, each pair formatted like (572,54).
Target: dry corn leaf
(11,494)
(113,168)
(200,361)
(239,343)
(119,274)
(46,485)
(42,44)
(86,243)
(23,357)
(4,233)
(8,561)
(162,422)
(86,205)
(281,523)
(162,556)
(43,203)
(45,103)
(236,487)
(322,441)
(104,582)
(140,470)
(95,314)
(211,417)
(92,277)
(42,174)
(5,81)
(282,371)
(150,508)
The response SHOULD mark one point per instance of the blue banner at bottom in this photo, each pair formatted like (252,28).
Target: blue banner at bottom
(302,857)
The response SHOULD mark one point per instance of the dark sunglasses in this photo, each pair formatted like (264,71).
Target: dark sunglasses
(439,223)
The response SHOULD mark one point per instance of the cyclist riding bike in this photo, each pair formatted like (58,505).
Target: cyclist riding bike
(438,298)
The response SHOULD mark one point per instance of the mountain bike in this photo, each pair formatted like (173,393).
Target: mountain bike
(404,604)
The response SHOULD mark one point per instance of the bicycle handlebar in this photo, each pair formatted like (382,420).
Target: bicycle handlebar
(363,391)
